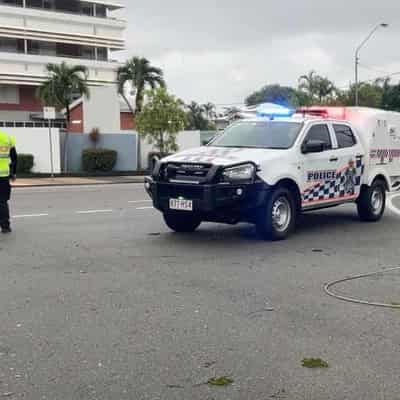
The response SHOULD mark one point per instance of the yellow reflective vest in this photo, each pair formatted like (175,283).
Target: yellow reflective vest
(6,144)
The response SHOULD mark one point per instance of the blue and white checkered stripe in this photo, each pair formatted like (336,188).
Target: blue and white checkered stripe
(334,189)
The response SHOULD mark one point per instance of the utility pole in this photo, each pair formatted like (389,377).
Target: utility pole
(357,57)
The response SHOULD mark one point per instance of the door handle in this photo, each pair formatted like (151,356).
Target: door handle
(334,159)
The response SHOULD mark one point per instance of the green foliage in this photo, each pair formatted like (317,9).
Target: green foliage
(370,95)
(314,363)
(25,163)
(139,73)
(314,89)
(317,88)
(198,117)
(160,120)
(220,381)
(278,94)
(98,160)
(64,84)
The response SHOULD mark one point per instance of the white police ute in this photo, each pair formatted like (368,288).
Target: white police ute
(268,169)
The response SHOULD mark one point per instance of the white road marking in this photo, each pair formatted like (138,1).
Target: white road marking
(391,206)
(139,201)
(94,212)
(30,216)
(145,208)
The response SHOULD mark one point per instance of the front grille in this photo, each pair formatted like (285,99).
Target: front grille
(175,191)
(185,172)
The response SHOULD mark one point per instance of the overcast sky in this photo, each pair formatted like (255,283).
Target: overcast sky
(221,51)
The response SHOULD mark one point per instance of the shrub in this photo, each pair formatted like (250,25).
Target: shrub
(25,163)
(102,160)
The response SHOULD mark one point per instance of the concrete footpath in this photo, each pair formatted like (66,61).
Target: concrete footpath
(76,181)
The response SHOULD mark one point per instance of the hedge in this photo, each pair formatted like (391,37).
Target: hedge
(25,163)
(102,160)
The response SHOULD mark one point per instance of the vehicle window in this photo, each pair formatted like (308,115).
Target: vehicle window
(345,136)
(259,134)
(320,132)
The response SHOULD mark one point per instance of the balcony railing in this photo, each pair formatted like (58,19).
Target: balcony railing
(31,124)
(54,54)
(98,14)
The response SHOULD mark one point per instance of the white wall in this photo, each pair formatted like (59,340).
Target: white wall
(186,140)
(36,141)
(101,110)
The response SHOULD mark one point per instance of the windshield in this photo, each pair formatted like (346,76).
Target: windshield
(259,134)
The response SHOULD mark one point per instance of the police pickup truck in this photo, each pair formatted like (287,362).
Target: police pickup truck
(269,169)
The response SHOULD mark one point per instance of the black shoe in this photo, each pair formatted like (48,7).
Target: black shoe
(6,230)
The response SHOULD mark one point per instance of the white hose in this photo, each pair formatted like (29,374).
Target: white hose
(328,286)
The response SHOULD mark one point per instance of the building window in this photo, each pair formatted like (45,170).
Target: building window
(9,94)
(101,11)
(10,45)
(34,3)
(87,9)
(42,48)
(15,3)
(102,54)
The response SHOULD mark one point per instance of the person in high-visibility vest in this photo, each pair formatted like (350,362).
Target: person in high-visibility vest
(8,170)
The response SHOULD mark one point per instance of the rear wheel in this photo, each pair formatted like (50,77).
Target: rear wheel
(277,218)
(181,222)
(372,201)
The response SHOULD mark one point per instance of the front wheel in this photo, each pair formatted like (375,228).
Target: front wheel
(372,202)
(180,222)
(277,218)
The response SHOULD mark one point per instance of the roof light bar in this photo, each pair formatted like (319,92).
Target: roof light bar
(271,110)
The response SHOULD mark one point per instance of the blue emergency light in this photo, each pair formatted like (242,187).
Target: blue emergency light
(272,111)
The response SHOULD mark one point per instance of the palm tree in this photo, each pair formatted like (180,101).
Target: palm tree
(309,83)
(139,73)
(317,87)
(325,89)
(209,109)
(195,117)
(64,84)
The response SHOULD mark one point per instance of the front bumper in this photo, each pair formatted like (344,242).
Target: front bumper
(229,203)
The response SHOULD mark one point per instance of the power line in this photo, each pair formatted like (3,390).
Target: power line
(373,69)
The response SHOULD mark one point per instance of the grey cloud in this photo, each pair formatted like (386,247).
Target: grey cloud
(221,50)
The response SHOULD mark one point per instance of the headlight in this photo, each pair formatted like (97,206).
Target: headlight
(243,172)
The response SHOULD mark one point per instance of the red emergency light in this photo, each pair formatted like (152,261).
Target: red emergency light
(338,113)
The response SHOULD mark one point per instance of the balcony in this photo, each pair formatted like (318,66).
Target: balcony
(86,8)
(51,49)
(30,69)
(32,24)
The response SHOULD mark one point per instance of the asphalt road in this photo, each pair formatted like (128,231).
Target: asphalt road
(98,300)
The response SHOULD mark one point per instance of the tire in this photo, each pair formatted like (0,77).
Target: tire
(277,219)
(372,201)
(181,222)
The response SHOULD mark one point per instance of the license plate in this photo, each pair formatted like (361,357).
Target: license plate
(181,205)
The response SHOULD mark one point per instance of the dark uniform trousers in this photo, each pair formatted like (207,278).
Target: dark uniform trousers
(5,192)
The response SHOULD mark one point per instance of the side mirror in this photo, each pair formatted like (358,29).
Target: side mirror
(313,146)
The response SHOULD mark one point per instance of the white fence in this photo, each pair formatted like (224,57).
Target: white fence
(186,140)
(36,141)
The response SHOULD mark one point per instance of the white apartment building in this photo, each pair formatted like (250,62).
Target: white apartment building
(34,33)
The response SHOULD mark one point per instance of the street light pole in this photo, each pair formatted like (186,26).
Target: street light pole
(357,56)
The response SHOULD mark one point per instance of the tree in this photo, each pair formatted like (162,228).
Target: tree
(196,119)
(64,85)
(390,95)
(308,83)
(160,120)
(139,73)
(318,88)
(370,95)
(209,110)
(283,95)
